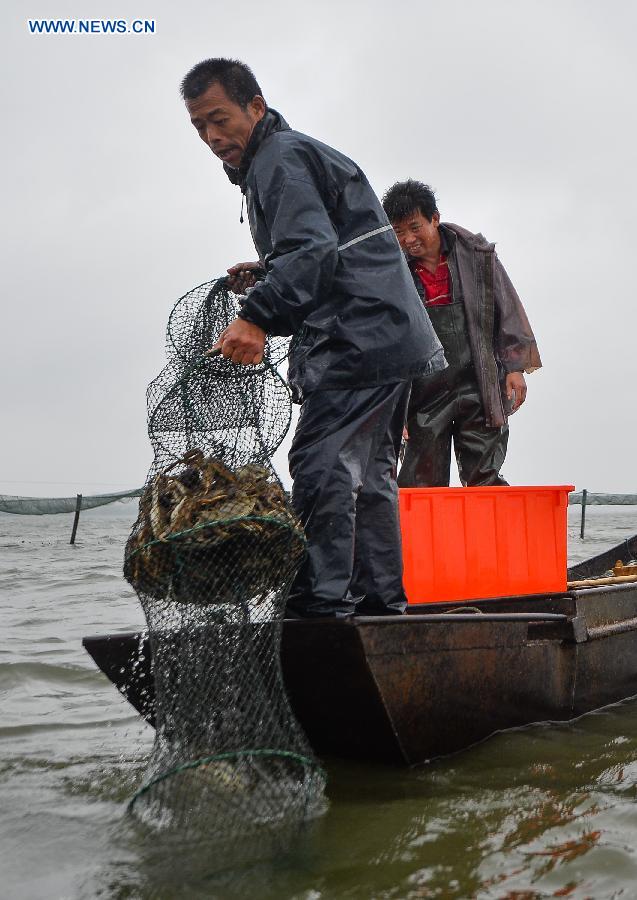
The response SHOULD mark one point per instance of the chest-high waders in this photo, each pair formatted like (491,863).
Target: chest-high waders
(448,405)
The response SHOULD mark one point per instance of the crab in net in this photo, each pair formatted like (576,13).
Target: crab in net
(207,533)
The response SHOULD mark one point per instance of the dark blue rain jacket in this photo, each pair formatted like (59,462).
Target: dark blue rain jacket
(336,278)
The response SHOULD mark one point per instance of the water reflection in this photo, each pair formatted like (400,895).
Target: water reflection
(546,811)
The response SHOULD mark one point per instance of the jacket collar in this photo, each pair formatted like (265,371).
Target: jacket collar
(271,122)
(447,239)
(457,233)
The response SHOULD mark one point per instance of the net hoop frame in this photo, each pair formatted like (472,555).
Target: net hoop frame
(306,761)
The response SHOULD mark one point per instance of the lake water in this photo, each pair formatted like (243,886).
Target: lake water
(546,811)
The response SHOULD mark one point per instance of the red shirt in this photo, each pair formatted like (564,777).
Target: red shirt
(437,284)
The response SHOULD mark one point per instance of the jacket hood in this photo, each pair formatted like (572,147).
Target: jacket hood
(271,122)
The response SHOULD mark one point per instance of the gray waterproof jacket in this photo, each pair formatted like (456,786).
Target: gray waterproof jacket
(336,278)
(500,335)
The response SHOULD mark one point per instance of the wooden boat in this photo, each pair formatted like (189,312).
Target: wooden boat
(604,562)
(405,689)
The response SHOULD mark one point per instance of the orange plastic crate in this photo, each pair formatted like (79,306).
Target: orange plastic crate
(465,543)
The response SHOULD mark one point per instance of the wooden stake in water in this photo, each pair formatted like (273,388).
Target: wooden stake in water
(78,507)
(581,531)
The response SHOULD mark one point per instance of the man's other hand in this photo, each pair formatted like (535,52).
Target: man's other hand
(242,342)
(241,276)
(516,390)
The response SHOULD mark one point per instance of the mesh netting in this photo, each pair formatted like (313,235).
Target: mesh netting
(604,499)
(48,506)
(211,556)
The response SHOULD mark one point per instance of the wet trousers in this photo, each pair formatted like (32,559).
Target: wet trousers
(343,462)
(452,412)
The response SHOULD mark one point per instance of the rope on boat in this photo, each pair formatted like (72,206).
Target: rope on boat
(466,609)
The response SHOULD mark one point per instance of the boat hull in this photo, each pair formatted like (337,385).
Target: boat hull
(597,565)
(405,689)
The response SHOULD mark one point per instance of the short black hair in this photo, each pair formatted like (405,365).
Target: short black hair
(234,76)
(407,197)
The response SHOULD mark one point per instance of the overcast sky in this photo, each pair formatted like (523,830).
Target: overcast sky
(521,115)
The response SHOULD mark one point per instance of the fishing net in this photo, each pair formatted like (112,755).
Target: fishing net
(49,506)
(211,556)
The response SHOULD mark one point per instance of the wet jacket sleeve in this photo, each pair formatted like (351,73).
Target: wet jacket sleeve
(515,344)
(300,268)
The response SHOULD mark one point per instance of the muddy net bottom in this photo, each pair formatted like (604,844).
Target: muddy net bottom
(229,759)
(254,790)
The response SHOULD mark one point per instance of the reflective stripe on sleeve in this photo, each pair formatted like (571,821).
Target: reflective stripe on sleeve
(363,237)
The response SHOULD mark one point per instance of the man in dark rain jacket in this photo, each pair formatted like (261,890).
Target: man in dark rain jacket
(335,279)
(486,336)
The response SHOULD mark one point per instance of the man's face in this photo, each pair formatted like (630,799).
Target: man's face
(223,124)
(417,235)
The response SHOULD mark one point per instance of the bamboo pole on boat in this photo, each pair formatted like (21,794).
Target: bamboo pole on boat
(599,582)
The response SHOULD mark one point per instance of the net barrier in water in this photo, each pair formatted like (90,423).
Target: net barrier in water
(603,499)
(212,556)
(50,506)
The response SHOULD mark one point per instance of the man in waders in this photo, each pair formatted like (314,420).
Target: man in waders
(487,340)
(333,276)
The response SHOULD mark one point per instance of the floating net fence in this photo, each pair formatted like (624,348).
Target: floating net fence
(45,506)
(212,556)
(603,499)
(49,506)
